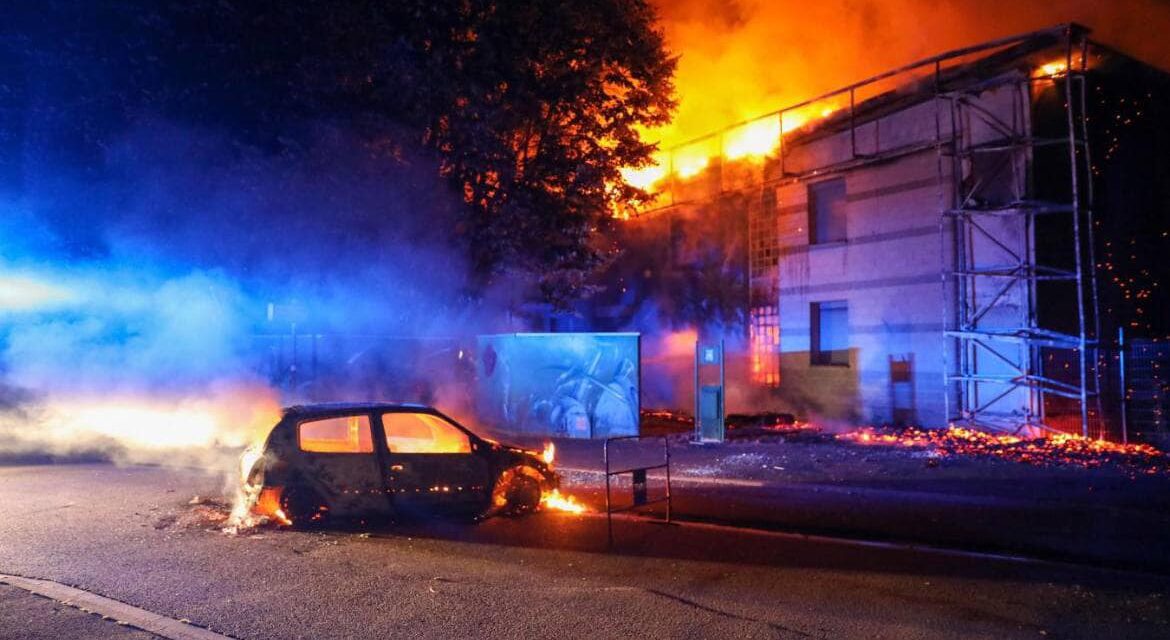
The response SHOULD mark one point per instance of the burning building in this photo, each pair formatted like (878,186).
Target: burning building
(955,241)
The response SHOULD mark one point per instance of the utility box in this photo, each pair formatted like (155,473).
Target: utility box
(711,413)
(709,393)
(566,385)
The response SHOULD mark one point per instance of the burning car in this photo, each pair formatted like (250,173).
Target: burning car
(330,461)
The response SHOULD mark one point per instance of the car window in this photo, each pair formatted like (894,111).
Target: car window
(347,434)
(423,433)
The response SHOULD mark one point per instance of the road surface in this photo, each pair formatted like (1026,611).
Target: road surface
(130,534)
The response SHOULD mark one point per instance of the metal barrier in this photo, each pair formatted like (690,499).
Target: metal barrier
(638,480)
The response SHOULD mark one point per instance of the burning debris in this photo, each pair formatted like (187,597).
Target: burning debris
(1056,450)
(555,501)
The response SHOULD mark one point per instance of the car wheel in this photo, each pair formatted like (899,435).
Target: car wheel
(305,507)
(517,491)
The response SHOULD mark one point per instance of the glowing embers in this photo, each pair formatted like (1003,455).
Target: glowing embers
(555,501)
(1057,449)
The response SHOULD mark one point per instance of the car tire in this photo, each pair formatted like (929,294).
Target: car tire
(522,495)
(305,507)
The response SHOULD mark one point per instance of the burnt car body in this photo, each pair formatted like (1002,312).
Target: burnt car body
(356,460)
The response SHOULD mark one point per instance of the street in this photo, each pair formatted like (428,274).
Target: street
(131,534)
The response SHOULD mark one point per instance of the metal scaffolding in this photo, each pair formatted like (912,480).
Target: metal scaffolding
(1006,365)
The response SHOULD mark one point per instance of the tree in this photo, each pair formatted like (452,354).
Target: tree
(534,108)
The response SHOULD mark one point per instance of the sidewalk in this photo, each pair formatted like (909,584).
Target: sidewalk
(27,616)
(1093,516)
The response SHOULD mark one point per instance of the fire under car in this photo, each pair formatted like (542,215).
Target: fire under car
(329,462)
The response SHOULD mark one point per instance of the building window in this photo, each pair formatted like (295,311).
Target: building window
(826,211)
(765,346)
(830,333)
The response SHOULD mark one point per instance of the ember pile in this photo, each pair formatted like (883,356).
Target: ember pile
(1056,450)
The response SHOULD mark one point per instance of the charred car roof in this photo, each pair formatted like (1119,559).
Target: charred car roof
(331,408)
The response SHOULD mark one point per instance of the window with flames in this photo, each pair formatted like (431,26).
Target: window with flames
(765,346)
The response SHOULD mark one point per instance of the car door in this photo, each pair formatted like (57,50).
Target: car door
(338,460)
(431,465)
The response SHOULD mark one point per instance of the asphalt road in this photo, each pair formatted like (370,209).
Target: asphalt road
(130,534)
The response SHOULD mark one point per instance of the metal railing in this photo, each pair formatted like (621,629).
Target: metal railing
(639,476)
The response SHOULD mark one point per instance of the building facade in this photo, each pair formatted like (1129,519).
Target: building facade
(925,247)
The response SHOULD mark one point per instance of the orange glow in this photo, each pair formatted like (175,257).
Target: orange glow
(555,501)
(1056,449)
(350,434)
(680,342)
(549,454)
(738,61)
(423,433)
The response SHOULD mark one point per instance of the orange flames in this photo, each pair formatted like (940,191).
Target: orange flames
(752,141)
(740,60)
(268,505)
(555,501)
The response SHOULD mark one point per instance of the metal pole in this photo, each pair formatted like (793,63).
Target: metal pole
(666,443)
(780,151)
(944,206)
(1124,390)
(1090,221)
(608,509)
(722,393)
(698,420)
(853,125)
(1076,219)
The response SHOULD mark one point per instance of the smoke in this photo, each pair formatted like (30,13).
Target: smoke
(744,58)
(132,294)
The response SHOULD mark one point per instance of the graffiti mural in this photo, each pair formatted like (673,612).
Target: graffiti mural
(578,385)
